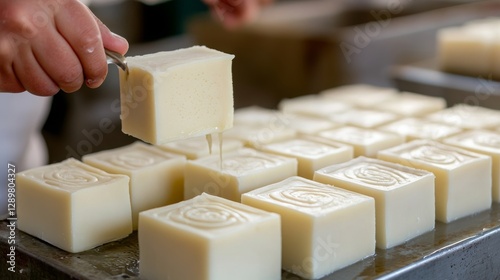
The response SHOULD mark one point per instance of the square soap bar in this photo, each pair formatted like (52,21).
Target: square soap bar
(404,196)
(73,206)
(254,135)
(409,104)
(467,117)
(324,228)
(209,237)
(360,95)
(313,105)
(177,94)
(312,153)
(463,178)
(363,118)
(156,176)
(201,146)
(417,128)
(483,142)
(239,172)
(366,142)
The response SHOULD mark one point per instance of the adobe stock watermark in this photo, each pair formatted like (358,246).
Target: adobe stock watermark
(12,217)
(324,250)
(363,35)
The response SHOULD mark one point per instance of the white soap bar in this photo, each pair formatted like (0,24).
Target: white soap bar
(404,196)
(323,228)
(73,206)
(465,51)
(312,153)
(366,142)
(360,95)
(416,128)
(242,171)
(467,117)
(305,125)
(312,106)
(177,94)
(209,238)
(363,118)
(156,176)
(463,178)
(255,136)
(409,104)
(198,147)
(483,142)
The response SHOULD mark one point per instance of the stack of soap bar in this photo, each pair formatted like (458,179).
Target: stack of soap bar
(366,142)
(312,153)
(483,142)
(198,147)
(156,176)
(463,178)
(323,228)
(73,206)
(412,105)
(364,118)
(209,237)
(404,196)
(360,95)
(177,94)
(239,172)
(416,128)
(467,117)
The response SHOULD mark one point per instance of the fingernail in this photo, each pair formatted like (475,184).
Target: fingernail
(118,37)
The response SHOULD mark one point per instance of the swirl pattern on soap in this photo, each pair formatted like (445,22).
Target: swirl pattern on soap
(132,160)
(73,177)
(308,197)
(377,175)
(437,155)
(246,163)
(208,215)
(488,140)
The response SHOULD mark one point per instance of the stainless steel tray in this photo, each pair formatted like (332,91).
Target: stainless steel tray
(464,249)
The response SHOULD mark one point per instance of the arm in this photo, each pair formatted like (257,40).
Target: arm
(50,45)
(234,13)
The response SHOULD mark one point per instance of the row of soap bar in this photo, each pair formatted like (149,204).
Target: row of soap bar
(243,170)
(472,49)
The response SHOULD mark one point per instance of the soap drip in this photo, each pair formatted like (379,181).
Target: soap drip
(220,150)
(209,142)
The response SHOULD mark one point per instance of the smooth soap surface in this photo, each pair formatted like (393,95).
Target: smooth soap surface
(177,94)
(73,206)
(209,237)
(418,128)
(324,228)
(404,196)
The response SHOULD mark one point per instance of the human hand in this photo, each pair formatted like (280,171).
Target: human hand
(50,45)
(234,13)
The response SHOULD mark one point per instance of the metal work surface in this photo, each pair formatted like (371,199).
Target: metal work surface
(464,249)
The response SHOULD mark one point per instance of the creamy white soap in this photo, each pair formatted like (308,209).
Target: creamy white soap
(417,128)
(409,104)
(324,228)
(366,142)
(177,94)
(467,117)
(312,153)
(364,118)
(465,51)
(312,106)
(240,172)
(198,147)
(483,142)
(73,206)
(404,196)
(210,238)
(254,136)
(463,178)
(156,176)
(360,95)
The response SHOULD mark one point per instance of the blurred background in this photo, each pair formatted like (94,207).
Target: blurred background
(294,48)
